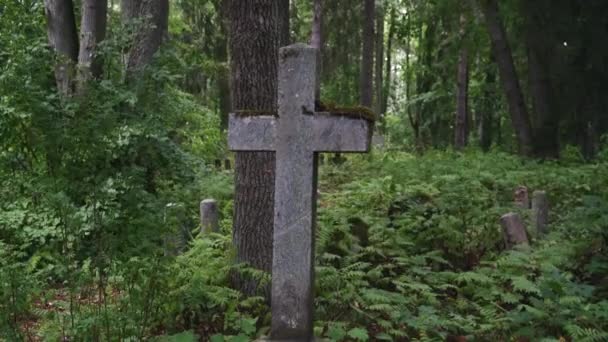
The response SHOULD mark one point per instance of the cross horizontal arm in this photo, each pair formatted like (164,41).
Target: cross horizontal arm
(333,133)
(252,133)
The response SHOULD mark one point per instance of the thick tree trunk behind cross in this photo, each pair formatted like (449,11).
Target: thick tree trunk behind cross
(61,30)
(508,76)
(367,55)
(283,20)
(254,44)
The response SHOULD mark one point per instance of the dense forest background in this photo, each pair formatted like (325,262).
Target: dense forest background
(113,118)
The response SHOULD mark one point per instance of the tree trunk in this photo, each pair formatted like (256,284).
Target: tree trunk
(414,112)
(152,19)
(284,33)
(487,111)
(379,85)
(389,56)
(367,55)
(461,122)
(546,123)
(316,35)
(223,75)
(462,107)
(508,76)
(254,43)
(61,31)
(316,41)
(92,32)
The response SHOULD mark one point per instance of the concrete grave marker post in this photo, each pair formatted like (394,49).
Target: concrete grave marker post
(209,213)
(296,135)
(514,230)
(540,212)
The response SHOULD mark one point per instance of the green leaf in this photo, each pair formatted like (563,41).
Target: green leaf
(358,334)
(217,338)
(336,333)
(524,285)
(186,336)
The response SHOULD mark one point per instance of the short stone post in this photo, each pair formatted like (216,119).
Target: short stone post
(540,211)
(209,216)
(521,198)
(514,230)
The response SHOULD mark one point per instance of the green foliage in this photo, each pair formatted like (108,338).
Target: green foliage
(430,270)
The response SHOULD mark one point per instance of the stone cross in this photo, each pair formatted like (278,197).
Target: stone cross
(296,135)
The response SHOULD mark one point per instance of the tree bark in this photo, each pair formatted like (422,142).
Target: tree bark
(152,19)
(508,76)
(61,31)
(389,56)
(316,35)
(316,41)
(414,112)
(92,32)
(367,55)
(254,43)
(546,120)
(461,122)
(223,76)
(379,84)
(487,111)
(283,18)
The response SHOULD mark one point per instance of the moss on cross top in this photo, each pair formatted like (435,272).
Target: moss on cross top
(358,112)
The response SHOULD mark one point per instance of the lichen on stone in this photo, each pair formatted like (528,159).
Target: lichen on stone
(358,112)
(247,113)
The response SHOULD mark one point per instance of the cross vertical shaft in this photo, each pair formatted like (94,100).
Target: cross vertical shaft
(295,190)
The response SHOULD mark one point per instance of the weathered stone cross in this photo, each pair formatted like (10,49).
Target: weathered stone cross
(296,135)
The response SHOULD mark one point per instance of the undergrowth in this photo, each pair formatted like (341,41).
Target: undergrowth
(408,248)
